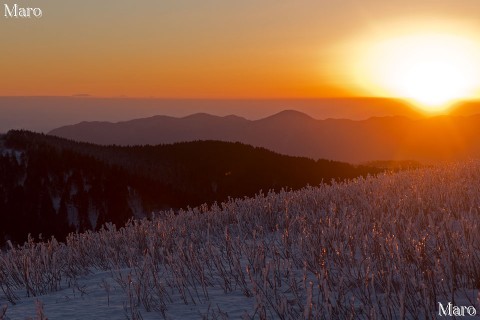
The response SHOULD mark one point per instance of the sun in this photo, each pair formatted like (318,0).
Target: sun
(432,70)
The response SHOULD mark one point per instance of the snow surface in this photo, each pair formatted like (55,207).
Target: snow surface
(89,299)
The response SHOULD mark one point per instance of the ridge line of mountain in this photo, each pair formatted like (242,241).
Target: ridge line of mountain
(294,133)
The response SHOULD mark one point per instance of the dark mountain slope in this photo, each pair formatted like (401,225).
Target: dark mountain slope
(50,190)
(52,186)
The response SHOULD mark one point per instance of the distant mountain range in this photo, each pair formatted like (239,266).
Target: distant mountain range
(54,186)
(297,134)
(43,114)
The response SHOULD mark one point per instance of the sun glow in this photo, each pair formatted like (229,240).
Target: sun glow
(432,70)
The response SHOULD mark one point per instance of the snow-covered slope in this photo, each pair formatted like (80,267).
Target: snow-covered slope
(389,247)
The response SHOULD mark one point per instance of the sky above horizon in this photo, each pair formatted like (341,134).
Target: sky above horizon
(209,49)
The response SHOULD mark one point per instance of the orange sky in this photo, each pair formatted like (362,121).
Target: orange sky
(201,49)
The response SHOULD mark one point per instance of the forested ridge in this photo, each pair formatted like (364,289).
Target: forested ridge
(53,186)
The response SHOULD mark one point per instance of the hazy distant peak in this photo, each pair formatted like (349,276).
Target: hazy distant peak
(234,117)
(148,120)
(200,116)
(206,117)
(290,114)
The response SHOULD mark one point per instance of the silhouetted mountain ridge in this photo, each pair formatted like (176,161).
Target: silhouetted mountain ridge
(297,134)
(43,114)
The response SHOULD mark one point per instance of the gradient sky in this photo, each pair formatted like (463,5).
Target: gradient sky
(203,49)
